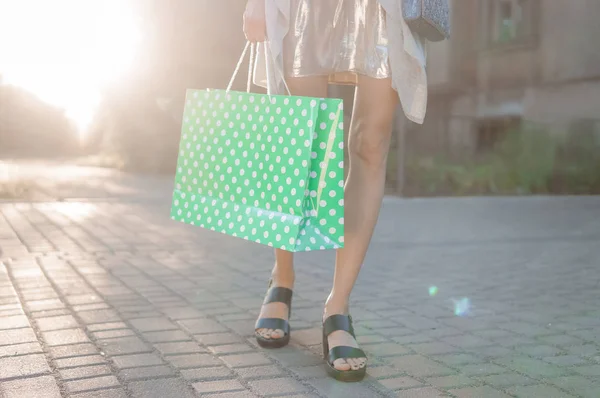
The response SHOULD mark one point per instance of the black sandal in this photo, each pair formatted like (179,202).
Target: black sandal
(332,324)
(275,295)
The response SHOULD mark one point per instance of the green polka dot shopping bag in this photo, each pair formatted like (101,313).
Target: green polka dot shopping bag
(265,168)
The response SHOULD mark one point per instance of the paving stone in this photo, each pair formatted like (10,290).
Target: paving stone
(220,339)
(65,337)
(380,372)
(166,337)
(491,352)
(136,361)
(91,384)
(123,346)
(73,350)
(280,386)
(106,326)
(538,391)
(566,360)
(37,387)
(454,381)
(108,393)
(479,392)
(385,349)
(433,348)
(411,339)
(538,351)
(90,307)
(160,388)
(49,313)
(83,299)
(237,394)
(254,372)
(482,369)
(187,347)
(506,379)
(532,367)
(291,356)
(113,334)
(419,366)
(457,359)
(98,316)
(206,373)
(207,387)
(84,372)
(579,384)
(20,349)
(56,323)
(14,322)
(202,326)
(425,392)
(27,365)
(150,372)
(245,360)
(231,349)
(333,388)
(153,324)
(80,361)
(17,336)
(45,305)
(400,383)
(561,340)
(592,371)
(193,361)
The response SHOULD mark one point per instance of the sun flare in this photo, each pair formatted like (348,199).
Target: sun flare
(65,51)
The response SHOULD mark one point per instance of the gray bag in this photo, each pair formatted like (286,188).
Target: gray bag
(428,18)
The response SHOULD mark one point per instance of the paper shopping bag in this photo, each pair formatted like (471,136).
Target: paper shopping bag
(265,168)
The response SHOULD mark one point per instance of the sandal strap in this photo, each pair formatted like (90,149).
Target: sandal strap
(344,352)
(278,295)
(338,322)
(273,323)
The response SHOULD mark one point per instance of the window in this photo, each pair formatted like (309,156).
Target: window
(492,131)
(509,21)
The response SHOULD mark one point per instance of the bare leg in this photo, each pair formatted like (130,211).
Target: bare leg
(370,133)
(283,272)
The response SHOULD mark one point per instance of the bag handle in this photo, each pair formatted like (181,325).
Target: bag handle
(239,65)
(252,66)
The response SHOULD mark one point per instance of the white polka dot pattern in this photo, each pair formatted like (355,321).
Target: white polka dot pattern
(268,169)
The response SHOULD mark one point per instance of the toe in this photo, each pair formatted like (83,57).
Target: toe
(354,365)
(277,334)
(362,362)
(341,364)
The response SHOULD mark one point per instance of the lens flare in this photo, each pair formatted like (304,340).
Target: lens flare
(433,290)
(462,307)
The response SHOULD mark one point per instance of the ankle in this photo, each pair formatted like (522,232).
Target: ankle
(283,276)
(336,305)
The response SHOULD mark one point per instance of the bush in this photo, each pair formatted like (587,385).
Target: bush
(528,161)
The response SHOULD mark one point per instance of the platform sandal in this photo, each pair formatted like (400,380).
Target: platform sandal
(275,295)
(332,324)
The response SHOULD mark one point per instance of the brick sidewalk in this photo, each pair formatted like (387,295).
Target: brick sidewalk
(116,300)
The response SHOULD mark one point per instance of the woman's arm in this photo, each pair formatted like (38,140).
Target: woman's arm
(255,26)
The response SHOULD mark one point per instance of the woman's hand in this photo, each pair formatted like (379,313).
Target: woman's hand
(255,25)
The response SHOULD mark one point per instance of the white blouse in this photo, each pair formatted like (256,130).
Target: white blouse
(406,51)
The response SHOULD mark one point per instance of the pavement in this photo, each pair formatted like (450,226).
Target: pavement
(474,297)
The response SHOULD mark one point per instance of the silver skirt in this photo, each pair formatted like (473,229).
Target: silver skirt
(337,38)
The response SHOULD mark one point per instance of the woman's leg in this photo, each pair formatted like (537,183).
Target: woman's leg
(283,272)
(370,134)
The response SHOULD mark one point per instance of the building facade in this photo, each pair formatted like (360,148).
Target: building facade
(512,61)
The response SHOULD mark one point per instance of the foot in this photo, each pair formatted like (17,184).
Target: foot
(342,338)
(275,310)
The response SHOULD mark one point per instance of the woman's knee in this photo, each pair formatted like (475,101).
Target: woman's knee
(370,141)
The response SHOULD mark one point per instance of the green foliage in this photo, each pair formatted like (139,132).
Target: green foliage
(528,161)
